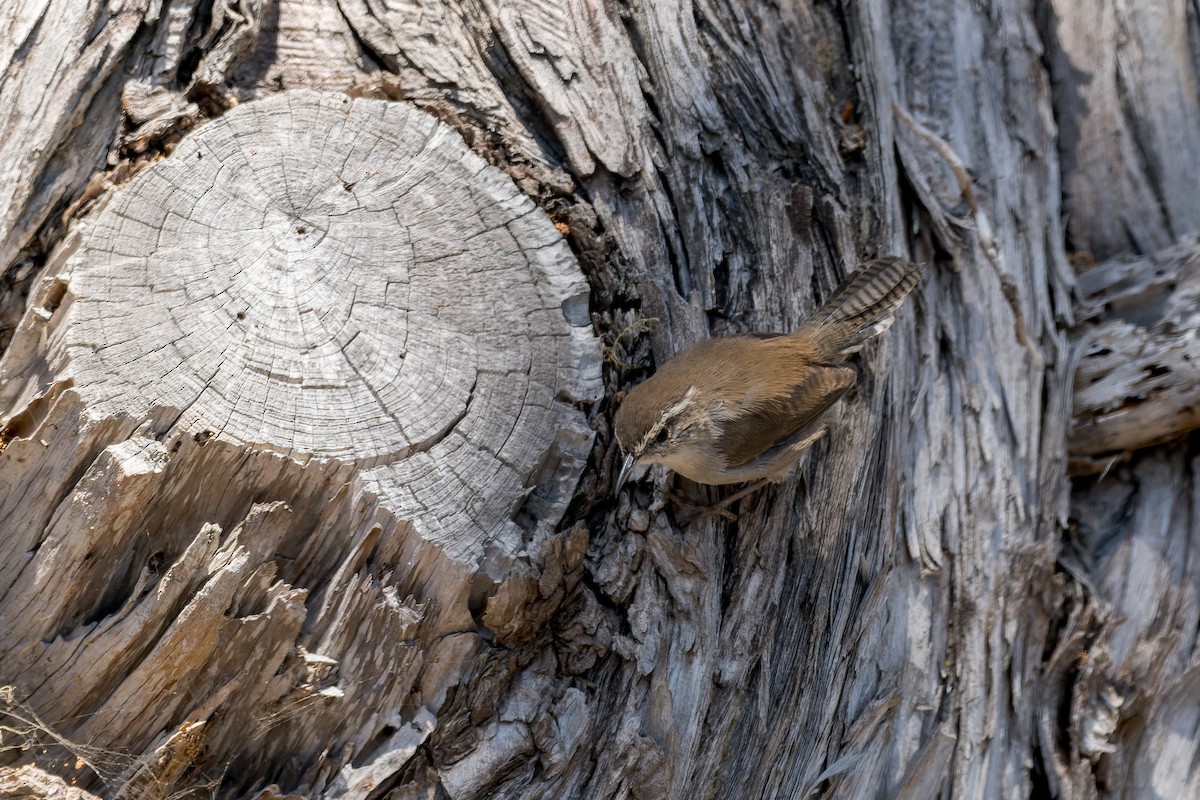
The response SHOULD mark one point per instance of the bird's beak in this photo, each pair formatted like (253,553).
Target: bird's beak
(623,475)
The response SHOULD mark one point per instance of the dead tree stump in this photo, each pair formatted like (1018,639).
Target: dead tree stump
(288,416)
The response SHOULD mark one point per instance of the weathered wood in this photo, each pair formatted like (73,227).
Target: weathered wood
(1138,382)
(1121,673)
(70,70)
(906,617)
(56,123)
(1126,662)
(1127,107)
(286,443)
(30,783)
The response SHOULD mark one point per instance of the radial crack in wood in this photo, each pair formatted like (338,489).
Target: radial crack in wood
(285,413)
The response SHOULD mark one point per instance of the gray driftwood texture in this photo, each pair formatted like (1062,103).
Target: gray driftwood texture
(316,313)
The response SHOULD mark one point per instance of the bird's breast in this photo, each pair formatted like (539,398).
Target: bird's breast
(699,463)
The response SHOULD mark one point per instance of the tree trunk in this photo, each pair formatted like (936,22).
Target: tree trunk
(317,314)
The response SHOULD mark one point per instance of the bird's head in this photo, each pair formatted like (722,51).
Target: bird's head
(663,421)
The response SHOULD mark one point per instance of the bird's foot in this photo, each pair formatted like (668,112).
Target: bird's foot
(718,509)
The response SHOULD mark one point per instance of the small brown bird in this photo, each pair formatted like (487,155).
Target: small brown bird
(745,408)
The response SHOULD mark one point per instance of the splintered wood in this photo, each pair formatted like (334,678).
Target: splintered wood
(1138,382)
(283,414)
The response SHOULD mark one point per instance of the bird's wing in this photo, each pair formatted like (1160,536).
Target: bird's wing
(777,415)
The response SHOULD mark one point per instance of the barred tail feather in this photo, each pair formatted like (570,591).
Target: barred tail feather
(865,305)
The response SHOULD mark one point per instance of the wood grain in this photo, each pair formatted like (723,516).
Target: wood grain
(288,391)
(1127,102)
(932,607)
(1138,382)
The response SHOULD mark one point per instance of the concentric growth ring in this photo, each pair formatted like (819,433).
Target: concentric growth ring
(322,276)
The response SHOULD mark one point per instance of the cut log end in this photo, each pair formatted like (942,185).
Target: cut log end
(307,388)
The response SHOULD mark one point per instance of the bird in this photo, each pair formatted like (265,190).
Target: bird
(745,408)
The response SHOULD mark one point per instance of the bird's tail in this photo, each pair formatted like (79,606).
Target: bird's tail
(865,305)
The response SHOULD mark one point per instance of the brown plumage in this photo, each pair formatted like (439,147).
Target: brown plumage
(746,407)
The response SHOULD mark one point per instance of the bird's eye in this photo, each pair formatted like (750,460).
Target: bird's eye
(661,436)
